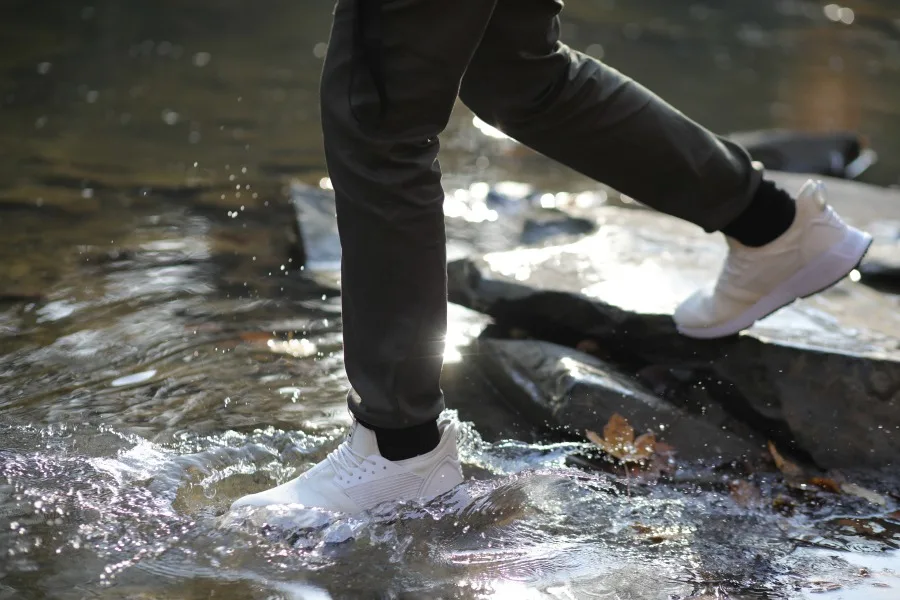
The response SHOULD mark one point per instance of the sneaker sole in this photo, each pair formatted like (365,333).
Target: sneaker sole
(823,272)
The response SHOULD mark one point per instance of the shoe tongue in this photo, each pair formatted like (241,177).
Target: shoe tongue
(363,441)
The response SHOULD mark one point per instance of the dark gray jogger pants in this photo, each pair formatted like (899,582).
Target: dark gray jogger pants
(393,71)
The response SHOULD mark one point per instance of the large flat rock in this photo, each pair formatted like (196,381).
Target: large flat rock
(482,218)
(823,374)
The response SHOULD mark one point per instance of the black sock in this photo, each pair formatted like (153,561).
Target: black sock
(409,442)
(770,214)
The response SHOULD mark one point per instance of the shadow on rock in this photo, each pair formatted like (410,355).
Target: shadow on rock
(574,390)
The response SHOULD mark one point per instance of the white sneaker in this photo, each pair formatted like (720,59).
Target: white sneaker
(355,477)
(816,252)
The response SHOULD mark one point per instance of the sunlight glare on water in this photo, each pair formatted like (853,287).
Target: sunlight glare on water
(162,352)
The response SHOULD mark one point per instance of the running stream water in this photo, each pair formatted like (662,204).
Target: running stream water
(162,352)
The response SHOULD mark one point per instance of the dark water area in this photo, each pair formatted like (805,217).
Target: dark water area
(162,353)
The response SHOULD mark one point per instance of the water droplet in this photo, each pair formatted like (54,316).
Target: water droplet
(44,68)
(201,59)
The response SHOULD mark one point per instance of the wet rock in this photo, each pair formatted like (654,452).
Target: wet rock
(469,390)
(479,218)
(836,154)
(821,376)
(318,243)
(558,387)
(881,268)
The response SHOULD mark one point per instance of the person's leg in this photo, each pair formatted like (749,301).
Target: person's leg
(592,118)
(599,122)
(390,82)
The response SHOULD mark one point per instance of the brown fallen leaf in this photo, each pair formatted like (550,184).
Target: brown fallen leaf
(618,440)
(789,469)
(826,484)
(860,527)
(794,477)
(745,494)
(784,505)
(654,535)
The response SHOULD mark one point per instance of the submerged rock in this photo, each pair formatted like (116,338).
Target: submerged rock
(822,375)
(559,387)
(318,242)
(837,154)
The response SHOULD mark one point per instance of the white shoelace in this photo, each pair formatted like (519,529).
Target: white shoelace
(736,264)
(344,461)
